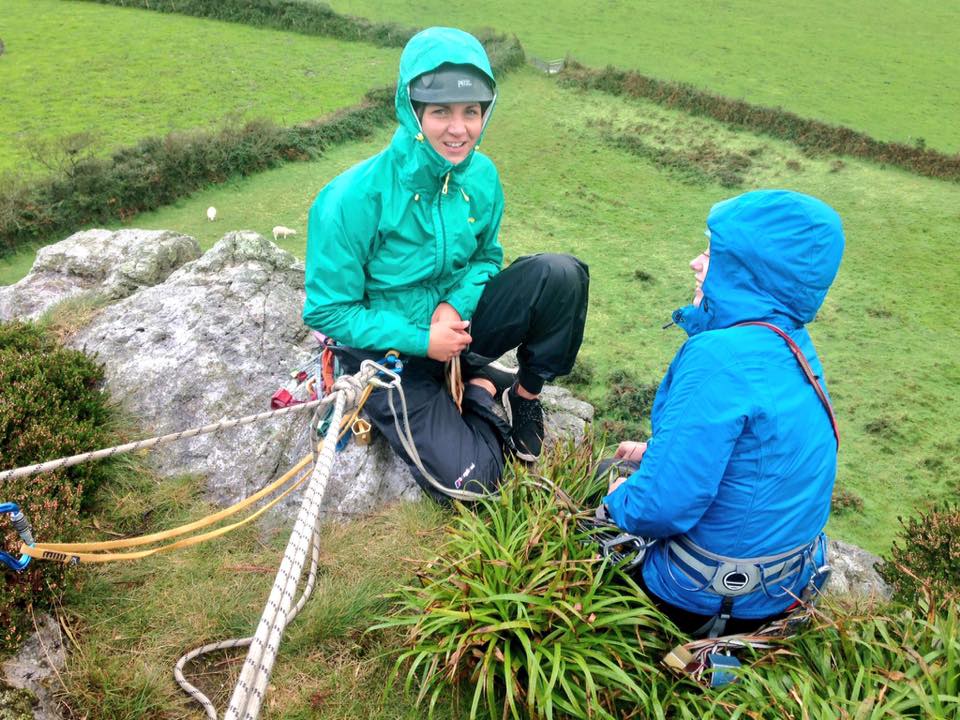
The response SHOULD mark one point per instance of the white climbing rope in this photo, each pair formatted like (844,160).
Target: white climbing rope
(52,465)
(251,687)
(208,707)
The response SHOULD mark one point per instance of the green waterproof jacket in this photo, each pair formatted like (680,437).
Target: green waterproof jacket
(399,233)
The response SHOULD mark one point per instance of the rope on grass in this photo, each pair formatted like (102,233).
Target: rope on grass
(251,687)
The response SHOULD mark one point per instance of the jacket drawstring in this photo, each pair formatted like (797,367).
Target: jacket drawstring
(464,193)
(446,181)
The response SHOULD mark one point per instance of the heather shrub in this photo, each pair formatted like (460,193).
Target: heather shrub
(51,405)
(926,556)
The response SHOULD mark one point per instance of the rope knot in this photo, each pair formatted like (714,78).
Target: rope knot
(351,386)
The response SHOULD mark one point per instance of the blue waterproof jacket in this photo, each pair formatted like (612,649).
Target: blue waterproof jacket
(743,455)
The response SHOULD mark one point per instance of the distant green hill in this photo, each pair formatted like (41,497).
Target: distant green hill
(160,73)
(885,67)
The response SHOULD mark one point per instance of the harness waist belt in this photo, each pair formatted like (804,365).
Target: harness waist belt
(733,577)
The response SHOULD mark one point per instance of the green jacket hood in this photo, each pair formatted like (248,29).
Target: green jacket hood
(426,51)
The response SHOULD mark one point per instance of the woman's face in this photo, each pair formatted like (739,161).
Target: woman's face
(453,129)
(699,266)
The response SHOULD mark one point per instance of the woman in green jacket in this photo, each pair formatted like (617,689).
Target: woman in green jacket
(403,254)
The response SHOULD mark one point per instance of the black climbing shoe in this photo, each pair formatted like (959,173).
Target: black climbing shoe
(526,419)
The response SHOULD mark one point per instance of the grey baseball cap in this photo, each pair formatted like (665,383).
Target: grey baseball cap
(451,83)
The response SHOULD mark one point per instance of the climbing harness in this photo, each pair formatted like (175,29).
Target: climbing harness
(735,577)
(731,578)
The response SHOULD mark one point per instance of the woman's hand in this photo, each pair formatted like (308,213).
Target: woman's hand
(614,484)
(445,311)
(448,338)
(630,450)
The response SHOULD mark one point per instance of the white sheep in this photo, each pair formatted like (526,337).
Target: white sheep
(211,213)
(283,232)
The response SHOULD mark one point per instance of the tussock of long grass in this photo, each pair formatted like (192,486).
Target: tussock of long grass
(518,606)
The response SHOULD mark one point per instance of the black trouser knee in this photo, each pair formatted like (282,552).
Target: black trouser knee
(539,305)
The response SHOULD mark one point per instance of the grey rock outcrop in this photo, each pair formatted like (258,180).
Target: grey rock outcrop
(854,572)
(108,263)
(212,341)
(33,669)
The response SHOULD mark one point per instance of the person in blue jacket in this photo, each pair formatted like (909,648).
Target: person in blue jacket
(737,476)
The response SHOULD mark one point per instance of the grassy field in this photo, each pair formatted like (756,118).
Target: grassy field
(883,67)
(887,333)
(163,73)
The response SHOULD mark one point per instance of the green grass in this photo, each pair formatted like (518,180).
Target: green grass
(884,67)
(132,621)
(162,73)
(887,333)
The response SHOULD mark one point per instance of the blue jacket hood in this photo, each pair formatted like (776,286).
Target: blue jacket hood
(773,256)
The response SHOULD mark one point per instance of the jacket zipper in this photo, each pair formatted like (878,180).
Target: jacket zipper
(443,227)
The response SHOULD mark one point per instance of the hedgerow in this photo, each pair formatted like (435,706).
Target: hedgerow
(811,135)
(306,18)
(51,405)
(158,171)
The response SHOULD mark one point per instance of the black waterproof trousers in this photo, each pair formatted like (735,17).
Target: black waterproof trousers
(538,305)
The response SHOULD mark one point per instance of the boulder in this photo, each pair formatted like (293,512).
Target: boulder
(32,675)
(854,572)
(213,341)
(112,264)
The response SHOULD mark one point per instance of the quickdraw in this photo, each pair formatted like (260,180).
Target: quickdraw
(24,530)
(620,547)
